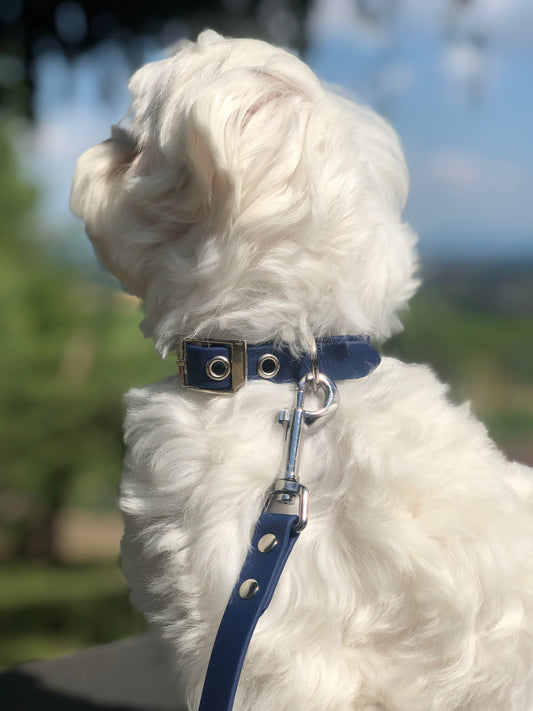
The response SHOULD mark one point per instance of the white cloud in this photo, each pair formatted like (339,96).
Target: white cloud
(504,21)
(396,78)
(454,170)
(469,203)
(462,173)
(463,62)
(340,18)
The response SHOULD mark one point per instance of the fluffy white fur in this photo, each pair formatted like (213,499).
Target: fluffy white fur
(242,200)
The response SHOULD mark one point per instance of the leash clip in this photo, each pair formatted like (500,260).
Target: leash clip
(287,491)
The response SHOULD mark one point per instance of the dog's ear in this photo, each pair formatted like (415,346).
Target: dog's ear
(98,197)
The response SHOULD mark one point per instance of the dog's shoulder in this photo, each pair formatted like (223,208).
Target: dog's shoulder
(156,404)
(405,417)
(402,392)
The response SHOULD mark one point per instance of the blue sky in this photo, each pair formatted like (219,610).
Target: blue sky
(470,156)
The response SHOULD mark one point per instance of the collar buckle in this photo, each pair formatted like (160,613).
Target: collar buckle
(236,362)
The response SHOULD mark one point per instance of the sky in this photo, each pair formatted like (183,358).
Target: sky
(464,116)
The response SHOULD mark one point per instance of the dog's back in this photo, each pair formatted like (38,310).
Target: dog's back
(412,586)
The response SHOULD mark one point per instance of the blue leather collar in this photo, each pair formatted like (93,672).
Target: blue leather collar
(224,366)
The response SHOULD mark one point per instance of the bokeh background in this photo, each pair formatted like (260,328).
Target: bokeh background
(455,77)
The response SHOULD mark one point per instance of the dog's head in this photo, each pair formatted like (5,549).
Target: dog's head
(240,199)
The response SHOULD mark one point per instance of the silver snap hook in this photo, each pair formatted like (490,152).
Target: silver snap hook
(314,365)
(331,397)
(287,491)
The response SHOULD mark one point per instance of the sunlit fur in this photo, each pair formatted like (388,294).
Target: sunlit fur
(240,199)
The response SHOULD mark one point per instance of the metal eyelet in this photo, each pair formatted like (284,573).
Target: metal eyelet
(248,589)
(267,543)
(267,366)
(218,368)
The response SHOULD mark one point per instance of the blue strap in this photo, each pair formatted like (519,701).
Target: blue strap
(339,357)
(241,615)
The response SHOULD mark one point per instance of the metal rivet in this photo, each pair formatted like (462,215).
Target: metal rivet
(268,366)
(218,368)
(248,589)
(267,543)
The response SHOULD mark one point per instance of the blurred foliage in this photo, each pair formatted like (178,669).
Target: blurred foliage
(472,325)
(29,28)
(70,348)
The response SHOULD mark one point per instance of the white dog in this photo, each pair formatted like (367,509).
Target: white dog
(242,201)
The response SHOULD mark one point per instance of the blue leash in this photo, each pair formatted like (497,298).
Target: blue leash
(250,598)
(285,514)
(275,534)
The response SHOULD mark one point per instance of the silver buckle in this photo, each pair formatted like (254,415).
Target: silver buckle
(238,362)
(289,498)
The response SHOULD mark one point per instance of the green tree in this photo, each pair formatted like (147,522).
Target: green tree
(69,350)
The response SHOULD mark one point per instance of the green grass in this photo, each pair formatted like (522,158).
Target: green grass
(29,647)
(24,586)
(47,611)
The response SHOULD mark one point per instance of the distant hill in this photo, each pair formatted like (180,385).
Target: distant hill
(496,287)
